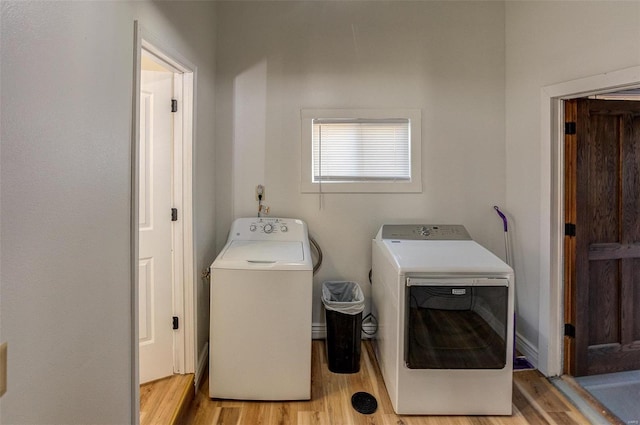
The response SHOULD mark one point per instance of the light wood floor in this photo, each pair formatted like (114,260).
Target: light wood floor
(535,401)
(163,402)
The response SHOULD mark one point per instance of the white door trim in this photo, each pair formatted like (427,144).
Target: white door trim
(551,306)
(178,231)
(184,290)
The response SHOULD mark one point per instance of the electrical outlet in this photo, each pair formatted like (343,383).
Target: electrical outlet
(260,191)
(3,369)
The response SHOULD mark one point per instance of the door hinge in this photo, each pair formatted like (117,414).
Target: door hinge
(569,330)
(569,229)
(570,127)
(174,214)
(175,322)
(174,105)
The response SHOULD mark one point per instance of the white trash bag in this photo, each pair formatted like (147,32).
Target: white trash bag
(343,297)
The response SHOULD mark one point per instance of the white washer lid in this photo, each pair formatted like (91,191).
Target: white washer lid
(264,251)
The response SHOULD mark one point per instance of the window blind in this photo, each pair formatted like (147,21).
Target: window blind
(354,150)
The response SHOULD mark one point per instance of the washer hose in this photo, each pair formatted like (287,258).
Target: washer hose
(315,246)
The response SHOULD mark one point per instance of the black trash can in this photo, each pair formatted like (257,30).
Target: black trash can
(344,303)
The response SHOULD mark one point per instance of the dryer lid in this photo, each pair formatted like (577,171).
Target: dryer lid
(444,257)
(264,251)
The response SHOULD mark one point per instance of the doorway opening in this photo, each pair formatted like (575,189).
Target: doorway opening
(602,249)
(160,234)
(615,86)
(602,233)
(163,270)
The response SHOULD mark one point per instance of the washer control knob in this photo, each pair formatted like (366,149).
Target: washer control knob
(283,228)
(252,227)
(268,228)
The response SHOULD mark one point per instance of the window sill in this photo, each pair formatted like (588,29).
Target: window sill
(369,187)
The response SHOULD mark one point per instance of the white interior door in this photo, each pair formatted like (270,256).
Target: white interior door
(155,237)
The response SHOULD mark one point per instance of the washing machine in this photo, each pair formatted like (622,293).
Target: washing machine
(261,298)
(444,306)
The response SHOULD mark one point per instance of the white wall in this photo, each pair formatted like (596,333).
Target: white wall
(446,58)
(66,81)
(550,43)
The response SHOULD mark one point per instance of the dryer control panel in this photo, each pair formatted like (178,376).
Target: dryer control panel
(430,232)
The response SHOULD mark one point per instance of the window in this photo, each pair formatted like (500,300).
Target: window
(361,151)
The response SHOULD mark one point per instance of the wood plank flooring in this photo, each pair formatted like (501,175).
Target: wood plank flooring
(164,402)
(535,401)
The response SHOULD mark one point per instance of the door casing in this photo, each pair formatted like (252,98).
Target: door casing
(184,290)
(551,306)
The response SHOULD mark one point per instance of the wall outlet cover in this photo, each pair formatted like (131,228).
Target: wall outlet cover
(260,191)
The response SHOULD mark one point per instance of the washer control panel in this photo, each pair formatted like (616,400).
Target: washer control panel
(269,225)
(431,232)
(268,229)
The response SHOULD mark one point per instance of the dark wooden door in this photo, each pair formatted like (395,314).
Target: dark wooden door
(602,261)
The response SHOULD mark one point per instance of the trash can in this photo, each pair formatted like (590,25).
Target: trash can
(343,303)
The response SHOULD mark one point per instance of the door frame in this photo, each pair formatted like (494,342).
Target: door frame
(185,268)
(551,305)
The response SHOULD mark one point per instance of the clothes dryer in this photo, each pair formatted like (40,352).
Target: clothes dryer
(260,304)
(444,306)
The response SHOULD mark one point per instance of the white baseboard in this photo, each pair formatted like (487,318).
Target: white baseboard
(319,330)
(203,357)
(527,349)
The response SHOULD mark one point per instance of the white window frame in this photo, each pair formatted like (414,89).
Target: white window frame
(413,185)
